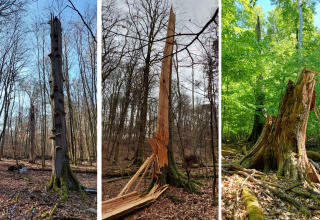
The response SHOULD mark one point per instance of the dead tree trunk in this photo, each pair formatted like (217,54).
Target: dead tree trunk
(62,175)
(281,145)
(32,156)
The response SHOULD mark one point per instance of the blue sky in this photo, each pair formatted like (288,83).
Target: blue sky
(267,7)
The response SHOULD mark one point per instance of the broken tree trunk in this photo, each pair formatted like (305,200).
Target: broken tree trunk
(32,155)
(62,175)
(164,169)
(281,146)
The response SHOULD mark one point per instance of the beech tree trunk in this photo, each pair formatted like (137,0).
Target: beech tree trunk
(260,97)
(32,156)
(62,175)
(281,146)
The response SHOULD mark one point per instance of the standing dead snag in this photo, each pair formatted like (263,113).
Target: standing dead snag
(281,146)
(62,175)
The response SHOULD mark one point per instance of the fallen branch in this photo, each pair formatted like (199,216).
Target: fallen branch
(278,193)
(53,210)
(114,179)
(74,171)
(237,167)
(252,205)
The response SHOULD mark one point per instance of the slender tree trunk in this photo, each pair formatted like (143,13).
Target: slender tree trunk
(259,96)
(32,156)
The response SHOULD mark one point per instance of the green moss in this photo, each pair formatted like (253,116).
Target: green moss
(79,186)
(53,210)
(252,205)
(50,184)
(64,178)
(64,198)
(44,215)
(313,156)
(244,150)
(174,198)
(24,178)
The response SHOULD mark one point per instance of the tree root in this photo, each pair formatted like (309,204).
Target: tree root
(237,167)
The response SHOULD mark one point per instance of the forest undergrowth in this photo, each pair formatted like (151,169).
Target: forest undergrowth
(167,206)
(23,196)
(234,181)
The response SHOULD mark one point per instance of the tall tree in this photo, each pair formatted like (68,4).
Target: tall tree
(62,175)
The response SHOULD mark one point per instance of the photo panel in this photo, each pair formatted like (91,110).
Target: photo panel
(160,109)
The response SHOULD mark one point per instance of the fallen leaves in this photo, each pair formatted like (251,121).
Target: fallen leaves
(272,206)
(34,200)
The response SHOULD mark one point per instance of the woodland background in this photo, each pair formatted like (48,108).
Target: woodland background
(25,73)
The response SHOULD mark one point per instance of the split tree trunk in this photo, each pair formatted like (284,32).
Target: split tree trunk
(32,156)
(62,175)
(162,144)
(281,145)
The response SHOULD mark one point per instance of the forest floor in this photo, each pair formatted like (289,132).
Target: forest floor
(271,205)
(33,200)
(195,206)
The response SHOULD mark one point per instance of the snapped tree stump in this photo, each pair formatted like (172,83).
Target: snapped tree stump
(281,145)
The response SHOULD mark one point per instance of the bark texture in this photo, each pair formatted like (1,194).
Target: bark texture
(62,175)
(281,146)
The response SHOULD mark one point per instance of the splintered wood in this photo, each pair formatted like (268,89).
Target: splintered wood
(126,203)
(161,141)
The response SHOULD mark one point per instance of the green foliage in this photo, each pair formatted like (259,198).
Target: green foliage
(248,74)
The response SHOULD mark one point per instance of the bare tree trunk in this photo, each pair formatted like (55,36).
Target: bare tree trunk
(62,175)
(32,155)
(259,96)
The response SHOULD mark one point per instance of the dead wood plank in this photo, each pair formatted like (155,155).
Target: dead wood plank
(126,207)
(148,160)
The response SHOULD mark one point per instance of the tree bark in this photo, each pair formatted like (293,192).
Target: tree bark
(259,96)
(281,145)
(62,175)
(32,155)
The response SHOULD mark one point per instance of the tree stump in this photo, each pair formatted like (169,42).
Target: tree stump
(281,145)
